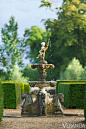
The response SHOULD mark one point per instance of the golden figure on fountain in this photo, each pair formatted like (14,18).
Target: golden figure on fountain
(42,53)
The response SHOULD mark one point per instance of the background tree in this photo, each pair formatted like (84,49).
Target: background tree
(17,76)
(67,35)
(32,40)
(74,71)
(10,50)
(3,75)
(45,3)
(33,74)
(84,73)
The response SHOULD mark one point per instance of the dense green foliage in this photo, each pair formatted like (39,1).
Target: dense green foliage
(26,88)
(74,71)
(73,94)
(12,94)
(1,101)
(32,74)
(32,39)
(2,74)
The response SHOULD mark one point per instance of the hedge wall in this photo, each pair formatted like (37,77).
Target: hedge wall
(22,87)
(18,93)
(26,87)
(68,81)
(1,101)
(85,104)
(73,94)
(12,94)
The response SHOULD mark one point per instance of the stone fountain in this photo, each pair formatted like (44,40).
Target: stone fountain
(39,102)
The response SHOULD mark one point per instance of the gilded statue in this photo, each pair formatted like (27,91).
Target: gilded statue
(42,52)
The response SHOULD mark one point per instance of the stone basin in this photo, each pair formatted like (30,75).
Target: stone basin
(42,84)
(42,66)
(42,70)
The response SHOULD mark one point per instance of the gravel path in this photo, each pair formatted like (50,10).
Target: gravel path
(60,122)
(41,123)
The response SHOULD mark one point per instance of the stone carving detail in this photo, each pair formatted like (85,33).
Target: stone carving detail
(57,100)
(29,107)
(44,103)
(27,102)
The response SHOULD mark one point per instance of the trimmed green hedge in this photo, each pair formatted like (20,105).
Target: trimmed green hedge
(85,104)
(68,81)
(12,94)
(73,94)
(1,101)
(64,81)
(26,87)
(22,87)
(18,93)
